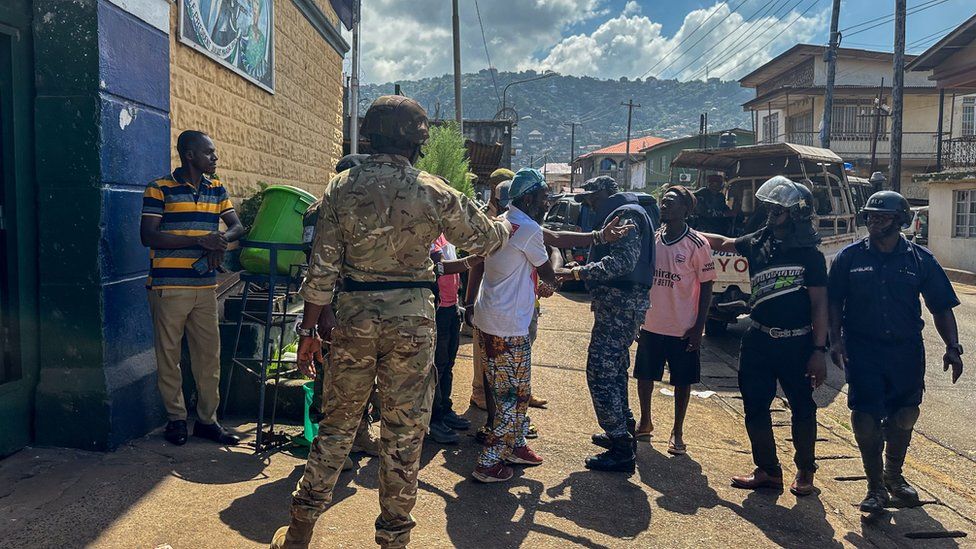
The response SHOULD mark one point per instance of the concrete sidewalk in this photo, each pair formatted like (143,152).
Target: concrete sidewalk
(150,494)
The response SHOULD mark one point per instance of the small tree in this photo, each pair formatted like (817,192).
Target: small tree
(444,155)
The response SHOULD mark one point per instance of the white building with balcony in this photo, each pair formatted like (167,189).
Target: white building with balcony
(952,188)
(789,105)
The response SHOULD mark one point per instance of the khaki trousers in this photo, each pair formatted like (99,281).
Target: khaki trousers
(193,312)
(478,380)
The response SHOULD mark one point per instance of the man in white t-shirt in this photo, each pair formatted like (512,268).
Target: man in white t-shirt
(502,313)
(680,297)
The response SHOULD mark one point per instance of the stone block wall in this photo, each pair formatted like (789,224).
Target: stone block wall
(293,136)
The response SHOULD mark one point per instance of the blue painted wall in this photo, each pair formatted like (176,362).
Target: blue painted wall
(102,131)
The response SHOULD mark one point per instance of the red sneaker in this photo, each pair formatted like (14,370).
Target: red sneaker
(524,455)
(498,473)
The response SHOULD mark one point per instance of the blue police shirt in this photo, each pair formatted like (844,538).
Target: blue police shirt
(879,292)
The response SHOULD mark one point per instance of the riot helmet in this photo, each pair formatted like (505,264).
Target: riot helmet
(795,197)
(889,202)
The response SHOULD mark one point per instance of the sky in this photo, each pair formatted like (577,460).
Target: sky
(683,39)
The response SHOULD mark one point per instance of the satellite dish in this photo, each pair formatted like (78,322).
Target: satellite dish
(508,113)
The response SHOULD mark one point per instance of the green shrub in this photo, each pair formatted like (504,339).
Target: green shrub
(250,206)
(444,155)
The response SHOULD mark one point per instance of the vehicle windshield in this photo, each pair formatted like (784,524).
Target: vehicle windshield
(834,211)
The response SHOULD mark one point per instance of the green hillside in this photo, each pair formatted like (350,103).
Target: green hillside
(668,108)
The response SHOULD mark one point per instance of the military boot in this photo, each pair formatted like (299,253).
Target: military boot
(870,442)
(297,535)
(366,441)
(603,441)
(620,458)
(898,440)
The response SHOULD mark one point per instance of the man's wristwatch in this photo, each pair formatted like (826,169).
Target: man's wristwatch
(954,347)
(576,273)
(304,332)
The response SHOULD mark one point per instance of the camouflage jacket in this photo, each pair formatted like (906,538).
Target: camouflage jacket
(377,222)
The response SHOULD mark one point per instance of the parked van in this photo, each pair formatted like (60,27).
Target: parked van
(746,169)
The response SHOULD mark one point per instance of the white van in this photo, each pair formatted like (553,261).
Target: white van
(746,169)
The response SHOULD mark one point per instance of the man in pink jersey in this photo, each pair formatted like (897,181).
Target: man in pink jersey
(680,298)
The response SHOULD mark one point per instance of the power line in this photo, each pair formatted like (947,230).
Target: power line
(729,39)
(929,37)
(683,40)
(778,15)
(704,36)
(744,46)
(891,15)
(889,19)
(491,69)
(773,39)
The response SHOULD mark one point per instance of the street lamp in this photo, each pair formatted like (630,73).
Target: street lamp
(501,114)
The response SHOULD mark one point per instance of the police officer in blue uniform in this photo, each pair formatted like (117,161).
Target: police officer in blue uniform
(786,343)
(619,277)
(876,336)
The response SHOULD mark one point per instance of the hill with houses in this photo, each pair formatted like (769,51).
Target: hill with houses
(669,108)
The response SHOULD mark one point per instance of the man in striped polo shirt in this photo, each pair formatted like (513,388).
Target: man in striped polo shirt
(180,224)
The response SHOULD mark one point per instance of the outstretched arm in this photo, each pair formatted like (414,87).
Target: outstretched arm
(613,232)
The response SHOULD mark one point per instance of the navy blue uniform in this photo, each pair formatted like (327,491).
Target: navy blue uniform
(882,323)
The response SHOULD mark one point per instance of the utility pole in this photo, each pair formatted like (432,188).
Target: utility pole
(572,149)
(830,56)
(456,21)
(630,111)
(897,97)
(354,85)
(876,129)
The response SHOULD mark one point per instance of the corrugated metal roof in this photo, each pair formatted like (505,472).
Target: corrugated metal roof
(483,158)
(960,37)
(723,159)
(636,144)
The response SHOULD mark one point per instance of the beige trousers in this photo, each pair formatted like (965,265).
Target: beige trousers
(193,312)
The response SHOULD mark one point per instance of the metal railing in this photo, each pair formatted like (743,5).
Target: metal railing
(959,152)
(914,145)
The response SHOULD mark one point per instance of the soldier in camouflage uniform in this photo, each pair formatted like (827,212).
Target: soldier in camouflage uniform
(618,277)
(375,228)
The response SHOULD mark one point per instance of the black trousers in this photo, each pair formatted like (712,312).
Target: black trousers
(764,361)
(445,353)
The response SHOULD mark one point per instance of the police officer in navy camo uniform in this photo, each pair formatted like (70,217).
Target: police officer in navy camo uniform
(619,278)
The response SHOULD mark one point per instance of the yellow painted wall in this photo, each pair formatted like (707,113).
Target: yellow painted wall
(293,136)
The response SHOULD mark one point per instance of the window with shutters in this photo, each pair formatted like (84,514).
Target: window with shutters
(969,116)
(965,213)
(770,125)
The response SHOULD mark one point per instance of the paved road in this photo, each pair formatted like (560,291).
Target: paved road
(948,411)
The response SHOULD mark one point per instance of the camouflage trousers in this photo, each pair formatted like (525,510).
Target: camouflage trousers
(508,373)
(607,363)
(398,355)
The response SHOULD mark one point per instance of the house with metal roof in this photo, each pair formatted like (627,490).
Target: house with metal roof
(951,64)
(789,105)
(612,161)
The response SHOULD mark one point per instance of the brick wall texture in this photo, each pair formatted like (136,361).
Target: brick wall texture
(291,137)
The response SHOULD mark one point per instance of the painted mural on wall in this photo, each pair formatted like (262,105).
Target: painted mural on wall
(239,34)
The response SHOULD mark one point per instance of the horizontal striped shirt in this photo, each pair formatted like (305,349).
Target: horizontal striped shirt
(184,211)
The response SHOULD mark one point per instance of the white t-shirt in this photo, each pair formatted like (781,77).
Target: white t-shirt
(507,298)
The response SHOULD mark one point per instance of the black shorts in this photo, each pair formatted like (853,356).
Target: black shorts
(653,350)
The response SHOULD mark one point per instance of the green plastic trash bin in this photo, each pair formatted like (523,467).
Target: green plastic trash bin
(311,428)
(279,221)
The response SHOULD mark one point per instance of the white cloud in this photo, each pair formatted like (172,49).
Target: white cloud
(408,40)
(631,44)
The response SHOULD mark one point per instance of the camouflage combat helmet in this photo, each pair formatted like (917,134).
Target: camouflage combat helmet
(397,118)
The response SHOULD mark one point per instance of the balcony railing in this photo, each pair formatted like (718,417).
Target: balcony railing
(959,152)
(914,145)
